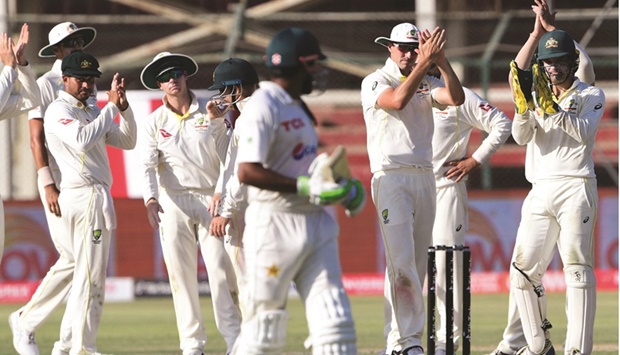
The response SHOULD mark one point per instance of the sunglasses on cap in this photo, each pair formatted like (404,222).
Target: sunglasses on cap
(404,48)
(174,74)
(73,42)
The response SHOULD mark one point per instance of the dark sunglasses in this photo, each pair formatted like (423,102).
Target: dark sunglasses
(73,42)
(404,48)
(165,77)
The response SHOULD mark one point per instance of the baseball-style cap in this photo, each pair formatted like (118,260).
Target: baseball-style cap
(80,64)
(556,44)
(233,71)
(64,30)
(164,62)
(405,33)
(288,45)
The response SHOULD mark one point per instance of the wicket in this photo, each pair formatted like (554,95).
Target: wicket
(466,292)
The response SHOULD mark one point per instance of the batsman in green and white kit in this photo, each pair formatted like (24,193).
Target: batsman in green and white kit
(289,235)
(558,122)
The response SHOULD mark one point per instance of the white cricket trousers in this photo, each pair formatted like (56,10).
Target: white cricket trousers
(56,284)
(233,243)
(84,215)
(405,202)
(184,225)
(451,224)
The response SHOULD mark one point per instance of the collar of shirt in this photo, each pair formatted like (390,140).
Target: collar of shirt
(193,107)
(393,70)
(569,90)
(57,67)
(72,100)
(278,92)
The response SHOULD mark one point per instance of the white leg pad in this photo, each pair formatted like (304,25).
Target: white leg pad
(531,310)
(265,333)
(331,323)
(580,307)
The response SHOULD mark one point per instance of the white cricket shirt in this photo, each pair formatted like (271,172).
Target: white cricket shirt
(453,127)
(278,133)
(18,91)
(561,145)
(398,139)
(182,153)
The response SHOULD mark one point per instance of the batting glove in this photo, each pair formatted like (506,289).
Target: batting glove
(544,96)
(323,192)
(356,199)
(521,88)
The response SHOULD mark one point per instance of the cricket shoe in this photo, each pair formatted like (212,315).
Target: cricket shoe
(414,350)
(23,340)
(499,352)
(547,350)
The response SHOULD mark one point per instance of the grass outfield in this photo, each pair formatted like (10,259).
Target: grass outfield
(147,326)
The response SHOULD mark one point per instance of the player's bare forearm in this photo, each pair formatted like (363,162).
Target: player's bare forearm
(454,95)
(37,143)
(255,174)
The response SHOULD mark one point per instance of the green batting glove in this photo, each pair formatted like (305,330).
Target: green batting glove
(356,200)
(323,192)
(521,88)
(544,96)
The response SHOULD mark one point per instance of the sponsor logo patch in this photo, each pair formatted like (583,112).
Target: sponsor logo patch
(97,236)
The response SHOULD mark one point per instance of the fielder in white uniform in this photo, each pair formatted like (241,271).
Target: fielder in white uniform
(236,79)
(77,135)
(452,165)
(397,101)
(287,237)
(559,124)
(513,338)
(182,148)
(64,38)
(18,89)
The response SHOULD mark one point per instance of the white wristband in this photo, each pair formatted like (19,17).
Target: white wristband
(45,176)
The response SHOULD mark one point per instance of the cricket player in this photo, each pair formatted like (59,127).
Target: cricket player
(18,90)
(513,338)
(289,236)
(451,165)
(558,123)
(64,38)
(77,136)
(183,144)
(236,79)
(397,101)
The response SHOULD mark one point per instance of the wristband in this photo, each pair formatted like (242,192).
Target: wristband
(45,176)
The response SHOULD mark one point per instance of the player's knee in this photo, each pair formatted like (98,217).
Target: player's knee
(331,323)
(519,278)
(265,333)
(579,276)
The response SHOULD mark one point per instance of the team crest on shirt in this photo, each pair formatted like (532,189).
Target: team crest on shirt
(384,215)
(97,236)
(572,106)
(201,124)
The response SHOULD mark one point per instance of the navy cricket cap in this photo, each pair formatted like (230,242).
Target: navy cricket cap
(233,71)
(288,45)
(80,64)
(556,44)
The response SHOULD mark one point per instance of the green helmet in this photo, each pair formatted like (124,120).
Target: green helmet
(556,44)
(233,71)
(288,45)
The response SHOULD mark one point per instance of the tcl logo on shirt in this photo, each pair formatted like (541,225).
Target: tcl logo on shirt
(164,133)
(302,150)
(295,123)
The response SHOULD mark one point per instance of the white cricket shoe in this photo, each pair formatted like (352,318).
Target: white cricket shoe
(23,340)
(57,351)
(547,350)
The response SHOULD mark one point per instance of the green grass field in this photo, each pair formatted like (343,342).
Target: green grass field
(147,326)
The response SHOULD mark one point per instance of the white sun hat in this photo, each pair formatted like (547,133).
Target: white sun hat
(64,30)
(405,33)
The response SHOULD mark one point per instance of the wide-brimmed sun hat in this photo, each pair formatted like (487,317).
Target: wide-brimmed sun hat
(63,30)
(163,62)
